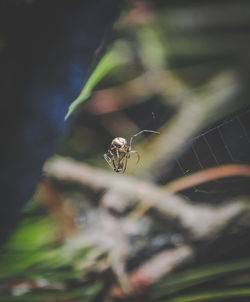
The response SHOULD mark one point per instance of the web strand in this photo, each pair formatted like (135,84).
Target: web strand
(219,148)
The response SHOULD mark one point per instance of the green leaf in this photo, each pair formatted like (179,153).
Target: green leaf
(110,60)
(213,295)
(189,278)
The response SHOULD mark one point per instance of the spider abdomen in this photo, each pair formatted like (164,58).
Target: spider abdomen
(119,142)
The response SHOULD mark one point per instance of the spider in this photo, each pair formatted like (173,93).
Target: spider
(119,152)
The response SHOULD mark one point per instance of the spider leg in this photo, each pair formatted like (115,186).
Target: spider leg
(119,163)
(126,162)
(109,160)
(138,155)
(140,132)
(117,154)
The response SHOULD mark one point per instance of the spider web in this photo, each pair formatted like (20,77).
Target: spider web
(228,142)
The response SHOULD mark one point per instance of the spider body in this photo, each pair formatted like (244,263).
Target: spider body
(119,152)
(119,143)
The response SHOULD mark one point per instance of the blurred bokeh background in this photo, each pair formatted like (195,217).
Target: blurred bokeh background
(174,227)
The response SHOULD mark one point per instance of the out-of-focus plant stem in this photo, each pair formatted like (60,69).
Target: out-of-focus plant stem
(199,111)
(122,191)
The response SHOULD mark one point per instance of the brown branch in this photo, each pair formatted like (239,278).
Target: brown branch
(159,265)
(122,190)
(206,176)
(201,221)
(166,261)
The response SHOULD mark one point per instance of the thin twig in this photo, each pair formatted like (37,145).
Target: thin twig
(206,176)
